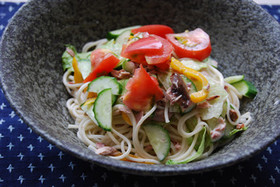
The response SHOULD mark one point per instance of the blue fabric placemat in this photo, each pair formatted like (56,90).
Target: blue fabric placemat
(26,159)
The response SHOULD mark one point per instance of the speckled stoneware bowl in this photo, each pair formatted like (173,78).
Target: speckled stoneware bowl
(245,40)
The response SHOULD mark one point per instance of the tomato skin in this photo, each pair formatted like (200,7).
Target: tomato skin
(164,57)
(147,46)
(156,29)
(142,89)
(137,50)
(151,50)
(138,58)
(198,44)
(163,66)
(102,63)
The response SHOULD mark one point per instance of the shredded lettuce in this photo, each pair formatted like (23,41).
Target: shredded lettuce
(84,67)
(234,131)
(194,64)
(112,46)
(198,65)
(164,79)
(67,59)
(116,48)
(229,135)
(83,56)
(211,62)
(212,123)
(216,108)
(191,124)
(201,137)
(194,156)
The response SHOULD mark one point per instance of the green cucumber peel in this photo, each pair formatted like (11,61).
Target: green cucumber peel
(159,139)
(104,82)
(234,79)
(246,88)
(102,109)
(115,33)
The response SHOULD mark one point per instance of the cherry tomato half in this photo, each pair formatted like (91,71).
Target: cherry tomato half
(143,46)
(194,44)
(159,30)
(152,50)
(103,61)
(142,89)
(162,58)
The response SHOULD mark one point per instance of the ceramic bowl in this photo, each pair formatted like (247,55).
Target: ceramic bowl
(245,40)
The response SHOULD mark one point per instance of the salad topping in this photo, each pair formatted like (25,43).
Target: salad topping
(149,95)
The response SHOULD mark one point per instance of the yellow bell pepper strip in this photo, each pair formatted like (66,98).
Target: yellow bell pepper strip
(90,101)
(78,78)
(126,118)
(194,75)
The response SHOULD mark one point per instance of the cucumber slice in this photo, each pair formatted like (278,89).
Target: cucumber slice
(234,79)
(159,139)
(115,33)
(103,109)
(103,82)
(164,79)
(246,88)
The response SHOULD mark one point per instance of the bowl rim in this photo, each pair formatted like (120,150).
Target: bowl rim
(116,165)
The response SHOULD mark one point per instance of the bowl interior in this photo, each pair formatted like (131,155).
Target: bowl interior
(245,40)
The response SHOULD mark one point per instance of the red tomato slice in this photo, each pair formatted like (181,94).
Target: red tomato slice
(194,44)
(102,63)
(142,89)
(159,30)
(138,58)
(162,58)
(151,50)
(147,46)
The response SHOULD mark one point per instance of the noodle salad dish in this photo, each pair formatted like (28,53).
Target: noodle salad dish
(148,95)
